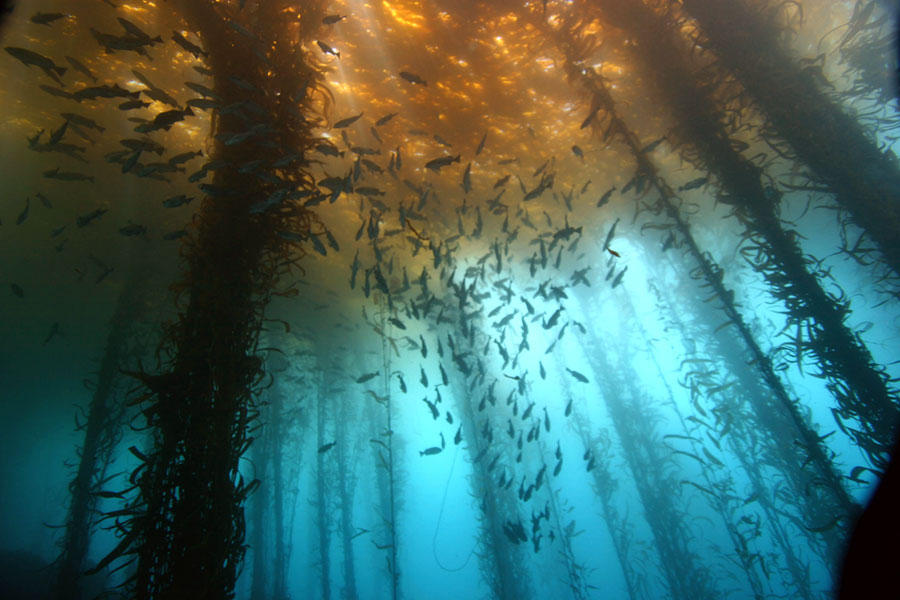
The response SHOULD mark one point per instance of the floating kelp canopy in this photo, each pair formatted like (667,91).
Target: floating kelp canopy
(412,299)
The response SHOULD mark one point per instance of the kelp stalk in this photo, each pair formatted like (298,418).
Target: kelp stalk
(861,387)
(865,181)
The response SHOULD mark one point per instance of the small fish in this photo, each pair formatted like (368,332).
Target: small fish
(467,179)
(129,164)
(16,290)
(435,413)
(133,229)
(82,121)
(54,331)
(413,78)
(332,19)
(28,58)
(184,157)
(137,32)
(347,121)
(436,164)
(366,377)
(57,135)
(577,375)
(609,236)
(328,49)
(133,104)
(42,18)
(104,91)
(605,197)
(430,451)
(81,68)
(326,447)
(577,151)
(187,46)
(176,201)
(329,150)
(58,93)
(527,412)
(613,252)
(24,214)
(385,119)
(32,141)
(481,144)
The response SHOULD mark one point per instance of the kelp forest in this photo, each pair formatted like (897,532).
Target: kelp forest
(449,299)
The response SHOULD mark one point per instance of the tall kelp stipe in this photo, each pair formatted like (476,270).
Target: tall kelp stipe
(634,421)
(746,39)
(621,532)
(201,406)
(499,555)
(500,562)
(747,417)
(103,425)
(716,487)
(606,122)
(287,414)
(257,517)
(325,477)
(803,470)
(860,387)
(349,444)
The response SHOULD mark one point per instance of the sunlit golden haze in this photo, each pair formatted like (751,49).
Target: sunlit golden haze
(494,67)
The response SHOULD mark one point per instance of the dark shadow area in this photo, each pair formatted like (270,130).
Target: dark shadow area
(873,554)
